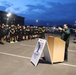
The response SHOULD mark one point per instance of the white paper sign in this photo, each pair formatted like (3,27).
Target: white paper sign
(38,51)
(47,53)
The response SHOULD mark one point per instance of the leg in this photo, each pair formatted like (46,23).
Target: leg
(66,54)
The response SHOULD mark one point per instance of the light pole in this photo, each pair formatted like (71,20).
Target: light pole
(37,21)
(8,15)
(48,24)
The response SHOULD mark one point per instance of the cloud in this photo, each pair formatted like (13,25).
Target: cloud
(33,11)
(7,4)
(51,12)
(36,7)
(4,5)
(60,11)
(3,8)
(17,9)
(9,7)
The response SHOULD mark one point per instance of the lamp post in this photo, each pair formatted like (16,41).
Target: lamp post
(8,15)
(48,24)
(37,21)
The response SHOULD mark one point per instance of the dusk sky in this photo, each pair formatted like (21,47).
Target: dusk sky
(47,12)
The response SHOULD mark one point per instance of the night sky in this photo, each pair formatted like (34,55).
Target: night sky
(47,12)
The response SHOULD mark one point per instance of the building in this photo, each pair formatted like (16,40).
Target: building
(10,19)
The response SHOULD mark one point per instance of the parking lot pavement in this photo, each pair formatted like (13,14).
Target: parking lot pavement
(15,60)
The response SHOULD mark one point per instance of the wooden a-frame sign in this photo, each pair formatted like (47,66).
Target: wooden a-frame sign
(41,46)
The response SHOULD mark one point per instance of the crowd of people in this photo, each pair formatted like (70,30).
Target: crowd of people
(17,33)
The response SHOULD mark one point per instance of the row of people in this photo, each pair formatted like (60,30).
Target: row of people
(74,35)
(17,33)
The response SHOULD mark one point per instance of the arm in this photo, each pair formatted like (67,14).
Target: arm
(66,31)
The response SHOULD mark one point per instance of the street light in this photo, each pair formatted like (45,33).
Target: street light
(8,15)
(47,24)
(37,21)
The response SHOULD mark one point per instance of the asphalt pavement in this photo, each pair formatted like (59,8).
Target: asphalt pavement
(15,60)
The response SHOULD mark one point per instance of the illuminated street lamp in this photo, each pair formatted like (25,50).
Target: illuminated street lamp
(47,24)
(37,21)
(8,15)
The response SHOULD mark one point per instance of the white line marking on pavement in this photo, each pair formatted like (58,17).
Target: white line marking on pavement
(72,51)
(68,65)
(27,45)
(30,58)
(15,55)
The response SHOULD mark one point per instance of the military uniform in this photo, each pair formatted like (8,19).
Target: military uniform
(65,35)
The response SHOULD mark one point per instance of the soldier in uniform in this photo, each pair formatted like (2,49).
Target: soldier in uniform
(20,33)
(35,32)
(31,32)
(75,36)
(24,33)
(2,33)
(65,35)
(12,34)
(43,32)
(16,34)
(27,32)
